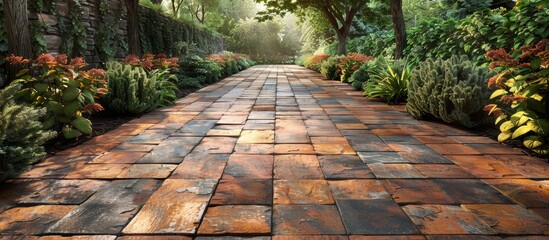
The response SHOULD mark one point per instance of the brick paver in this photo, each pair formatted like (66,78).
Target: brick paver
(275,152)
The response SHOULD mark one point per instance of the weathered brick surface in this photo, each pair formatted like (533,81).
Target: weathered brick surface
(276,152)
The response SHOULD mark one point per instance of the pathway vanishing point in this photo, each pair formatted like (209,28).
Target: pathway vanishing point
(277,152)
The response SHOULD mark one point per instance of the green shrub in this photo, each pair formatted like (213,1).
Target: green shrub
(330,69)
(301,60)
(521,94)
(313,62)
(133,90)
(389,81)
(350,63)
(357,85)
(66,91)
(453,91)
(191,82)
(21,134)
(194,67)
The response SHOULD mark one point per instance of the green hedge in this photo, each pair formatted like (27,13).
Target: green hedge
(160,34)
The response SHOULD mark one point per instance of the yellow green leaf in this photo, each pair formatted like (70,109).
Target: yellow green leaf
(520,131)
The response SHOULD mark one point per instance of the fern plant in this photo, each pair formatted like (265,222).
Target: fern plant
(451,90)
(21,133)
(389,82)
(133,90)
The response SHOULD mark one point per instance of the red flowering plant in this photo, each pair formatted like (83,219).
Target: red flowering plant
(350,63)
(521,92)
(151,62)
(64,89)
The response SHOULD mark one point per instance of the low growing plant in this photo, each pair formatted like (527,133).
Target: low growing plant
(452,90)
(389,81)
(66,91)
(521,94)
(313,62)
(350,63)
(329,68)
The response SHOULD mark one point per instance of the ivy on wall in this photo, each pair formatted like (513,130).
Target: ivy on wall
(3,45)
(161,34)
(72,30)
(107,41)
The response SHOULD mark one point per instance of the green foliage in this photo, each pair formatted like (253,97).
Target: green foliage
(134,90)
(330,69)
(376,43)
(39,43)
(389,81)
(361,75)
(73,33)
(313,62)
(357,85)
(3,46)
(350,63)
(21,134)
(479,32)
(521,93)
(65,90)
(107,41)
(453,91)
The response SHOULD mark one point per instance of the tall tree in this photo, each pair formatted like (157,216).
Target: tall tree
(17,24)
(340,14)
(399,27)
(134,43)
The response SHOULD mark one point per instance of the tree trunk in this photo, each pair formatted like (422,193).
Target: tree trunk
(134,43)
(342,43)
(399,28)
(19,40)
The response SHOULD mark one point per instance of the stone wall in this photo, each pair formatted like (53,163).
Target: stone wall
(50,17)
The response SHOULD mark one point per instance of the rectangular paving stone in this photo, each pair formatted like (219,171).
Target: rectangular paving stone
(389,237)
(158,171)
(526,192)
(436,139)
(452,149)
(471,191)
(402,139)
(107,211)
(237,220)
(163,218)
(418,153)
(119,157)
(297,167)
(496,148)
(243,192)
(256,136)
(171,150)
(484,167)
(64,192)
(381,170)
(233,119)
(88,150)
(357,217)
(358,189)
(510,219)
(294,149)
(56,167)
(368,143)
(224,132)
(381,157)
(323,131)
(254,148)
(154,237)
(150,137)
(262,115)
(302,192)
(128,147)
(416,192)
(183,191)
(214,145)
(445,219)
(242,166)
(331,145)
(291,131)
(312,237)
(529,167)
(98,171)
(77,237)
(442,171)
(198,128)
(31,220)
(344,167)
(306,220)
(199,165)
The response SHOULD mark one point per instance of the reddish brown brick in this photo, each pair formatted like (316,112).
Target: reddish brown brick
(302,192)
(510,219)
(236,219)
(455,149)
(294,149)
(416,192)
(256,136)
(119,157)
(107,171)
(524,191)
(529,167)
(484,167)
(306,220)
(247,191)
(147,171)
(344,167)
(395,171)
(199,165)
(63,192)
(444,219)
(297,167)
(332,145)
(214,145)
(167,218)
(249,167)
(254,148)
(358,189)
(442,171)
(31,220)
(498,149)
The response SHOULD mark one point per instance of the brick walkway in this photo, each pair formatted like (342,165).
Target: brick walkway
(276,151)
